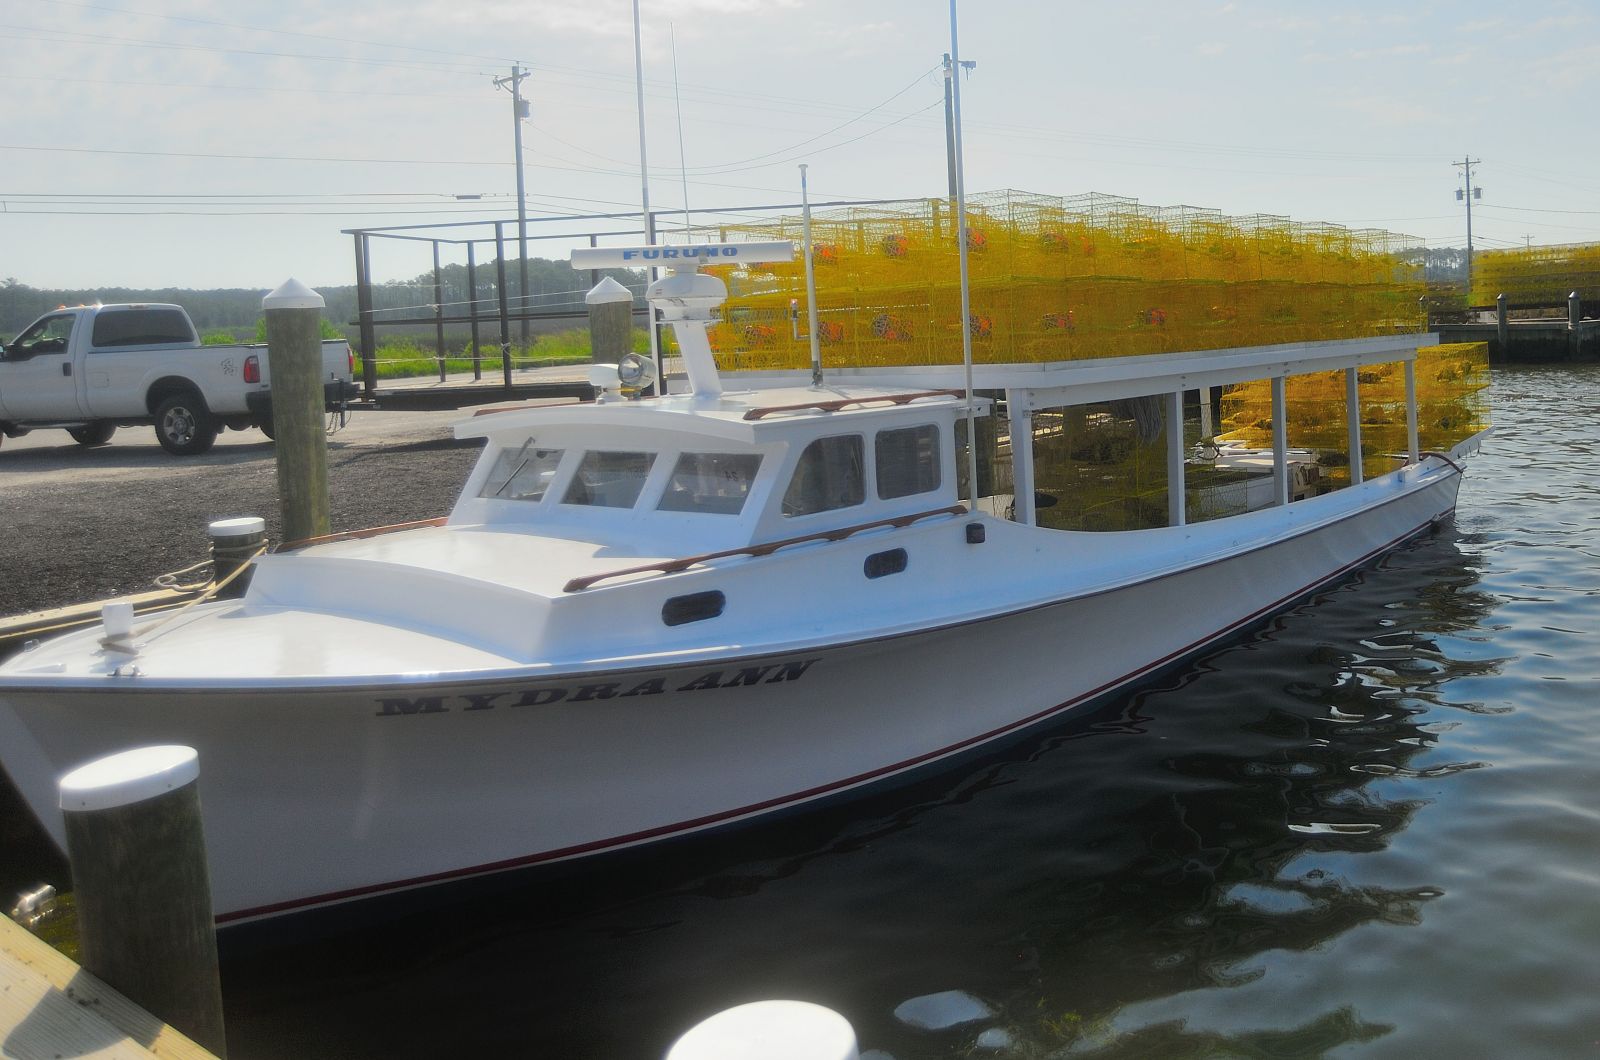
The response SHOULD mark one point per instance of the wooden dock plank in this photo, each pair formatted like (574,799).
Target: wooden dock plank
(51,1008)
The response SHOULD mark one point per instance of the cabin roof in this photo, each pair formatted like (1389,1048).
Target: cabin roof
(748,417)
(1107,378)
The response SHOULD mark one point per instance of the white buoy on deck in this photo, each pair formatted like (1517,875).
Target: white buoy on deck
(770,1030)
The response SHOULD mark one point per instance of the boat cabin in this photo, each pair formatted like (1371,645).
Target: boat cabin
(678,474)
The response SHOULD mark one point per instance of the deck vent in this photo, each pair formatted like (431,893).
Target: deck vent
(693,607)
(975,533)
(880,564)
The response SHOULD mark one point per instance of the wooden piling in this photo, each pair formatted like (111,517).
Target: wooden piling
(142,888)
(610,321)
(294,351)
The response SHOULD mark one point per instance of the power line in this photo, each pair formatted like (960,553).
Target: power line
(848,122)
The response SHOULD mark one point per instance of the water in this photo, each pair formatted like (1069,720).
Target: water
(1371,830)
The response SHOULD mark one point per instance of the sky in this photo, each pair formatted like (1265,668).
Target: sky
(203,143)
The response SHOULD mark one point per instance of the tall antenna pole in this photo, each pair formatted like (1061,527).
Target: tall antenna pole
(644,194)
(961,245)
(811,280)
(1466,168)
(683,161)
(519,111)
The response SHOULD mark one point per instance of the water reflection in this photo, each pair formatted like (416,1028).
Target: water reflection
(1166,844)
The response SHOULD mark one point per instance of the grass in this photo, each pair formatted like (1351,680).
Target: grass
(404,358)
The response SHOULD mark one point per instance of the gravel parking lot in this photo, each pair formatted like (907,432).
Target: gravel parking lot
(83,524)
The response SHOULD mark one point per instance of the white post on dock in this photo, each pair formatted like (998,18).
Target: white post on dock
(294,354)
(1280,442)
(770,1030)
(142,888)
(1352,408)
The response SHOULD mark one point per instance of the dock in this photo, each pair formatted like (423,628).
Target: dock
(1530,341)
(50,1008)
(460,389)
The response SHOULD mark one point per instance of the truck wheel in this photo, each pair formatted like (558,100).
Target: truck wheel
(266,428)
(98,432)
(183,425)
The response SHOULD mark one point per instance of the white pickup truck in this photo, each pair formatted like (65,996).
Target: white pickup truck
(92,369)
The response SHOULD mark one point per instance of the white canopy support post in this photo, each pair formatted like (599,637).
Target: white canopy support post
(1175,458)
(1020,415)
(1280,443)
(1352,410)
(1413,450)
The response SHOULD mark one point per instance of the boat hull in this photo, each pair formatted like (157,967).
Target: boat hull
(314,796)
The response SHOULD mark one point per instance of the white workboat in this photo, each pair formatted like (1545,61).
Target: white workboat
(649,618)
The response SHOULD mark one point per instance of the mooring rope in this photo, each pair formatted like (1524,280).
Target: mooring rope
(125,644)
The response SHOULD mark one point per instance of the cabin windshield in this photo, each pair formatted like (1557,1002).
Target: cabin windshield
(521,474)
(609,479)
(714,483)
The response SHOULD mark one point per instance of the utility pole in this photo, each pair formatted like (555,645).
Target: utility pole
(1466,169)
(519,111)
(950,118)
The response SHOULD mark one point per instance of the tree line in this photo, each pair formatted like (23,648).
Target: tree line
(552,285)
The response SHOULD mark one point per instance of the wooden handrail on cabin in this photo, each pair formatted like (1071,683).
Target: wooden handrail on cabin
(497,409)
(673,566)
(355,535)
(842,403)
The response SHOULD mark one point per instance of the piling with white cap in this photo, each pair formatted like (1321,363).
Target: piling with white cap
(610,321)
(770,1030)
(234,542)
(294,354)
(141,885)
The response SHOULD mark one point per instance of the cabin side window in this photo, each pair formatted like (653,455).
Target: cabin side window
(715,483)
(831,474)
(609,479)
(907,461)
(521,474)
